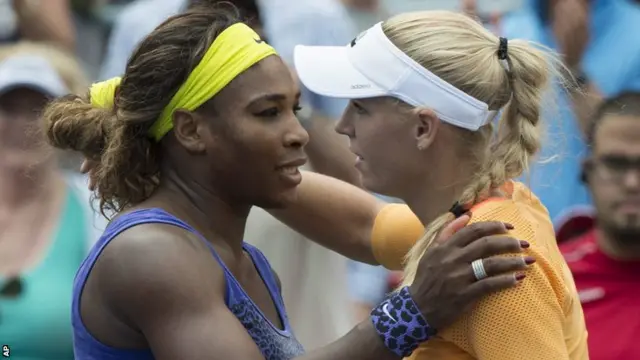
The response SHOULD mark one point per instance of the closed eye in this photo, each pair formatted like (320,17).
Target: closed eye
(359,109)
(270,112)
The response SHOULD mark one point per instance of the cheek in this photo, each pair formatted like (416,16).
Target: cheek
(603,193)
(379,153)
(256,148)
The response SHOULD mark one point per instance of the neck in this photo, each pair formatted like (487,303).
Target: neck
(19,187)
(218,219)
(618,246)
(435,193)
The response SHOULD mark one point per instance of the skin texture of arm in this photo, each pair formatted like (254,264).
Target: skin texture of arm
(334,214)
(48,21)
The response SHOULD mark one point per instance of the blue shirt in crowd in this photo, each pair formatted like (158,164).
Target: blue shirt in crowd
(612,63)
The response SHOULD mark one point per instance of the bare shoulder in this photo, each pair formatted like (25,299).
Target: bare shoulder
(150,262)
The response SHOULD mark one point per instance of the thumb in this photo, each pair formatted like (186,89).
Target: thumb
(452,228)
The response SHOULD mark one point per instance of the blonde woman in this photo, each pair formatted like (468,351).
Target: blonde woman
(425,88)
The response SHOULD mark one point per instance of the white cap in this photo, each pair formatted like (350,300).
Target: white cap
(372,66)
(32,72)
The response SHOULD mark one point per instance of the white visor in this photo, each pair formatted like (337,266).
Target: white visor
(372,66)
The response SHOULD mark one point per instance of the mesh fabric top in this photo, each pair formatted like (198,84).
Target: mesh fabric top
(541,318)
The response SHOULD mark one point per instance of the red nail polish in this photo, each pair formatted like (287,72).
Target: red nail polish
(529,260)
(520,277)
(508,226)
(524,244)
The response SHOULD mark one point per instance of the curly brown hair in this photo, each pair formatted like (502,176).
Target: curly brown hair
(128,161)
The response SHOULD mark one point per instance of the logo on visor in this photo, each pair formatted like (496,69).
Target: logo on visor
(360,86)
(259,41)
(357,38)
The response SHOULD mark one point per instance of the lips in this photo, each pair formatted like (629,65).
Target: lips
(289,173)
(296,163)
(356,154)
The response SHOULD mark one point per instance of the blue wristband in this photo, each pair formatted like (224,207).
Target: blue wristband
(400,324)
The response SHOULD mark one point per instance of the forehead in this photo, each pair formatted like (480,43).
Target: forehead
(269,76)
(618,134)
(381,104)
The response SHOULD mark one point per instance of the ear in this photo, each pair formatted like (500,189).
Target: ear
(427,126)
(188,128)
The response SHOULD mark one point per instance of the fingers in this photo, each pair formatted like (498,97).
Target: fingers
(490,246)
(478,231)
(92,184)
(85,167)
(493,284)
(501,265)
(452,228)
(88,167)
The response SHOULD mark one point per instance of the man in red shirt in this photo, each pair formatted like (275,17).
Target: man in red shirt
(605,260)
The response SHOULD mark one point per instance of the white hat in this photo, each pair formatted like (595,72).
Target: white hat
(33,72)
(372,66)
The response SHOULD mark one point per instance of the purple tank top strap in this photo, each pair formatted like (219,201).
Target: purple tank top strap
(269,276)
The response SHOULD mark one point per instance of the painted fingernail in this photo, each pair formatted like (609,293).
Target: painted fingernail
(520,277)
(524,244)
(508,226)
(529,260)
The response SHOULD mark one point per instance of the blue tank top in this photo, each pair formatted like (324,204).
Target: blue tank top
(275,344)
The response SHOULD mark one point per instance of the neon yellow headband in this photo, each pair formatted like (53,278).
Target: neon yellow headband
(235,50)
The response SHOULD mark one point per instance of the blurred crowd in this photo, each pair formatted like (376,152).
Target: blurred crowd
(589,169)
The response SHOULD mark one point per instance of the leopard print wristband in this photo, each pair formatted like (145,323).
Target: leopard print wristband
(400,324)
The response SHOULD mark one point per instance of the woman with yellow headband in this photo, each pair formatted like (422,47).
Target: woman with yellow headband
(201,128)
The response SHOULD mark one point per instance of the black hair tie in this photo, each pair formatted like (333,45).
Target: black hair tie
(502,49)
(457,210)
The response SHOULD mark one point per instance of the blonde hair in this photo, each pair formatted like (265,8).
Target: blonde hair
(463,53)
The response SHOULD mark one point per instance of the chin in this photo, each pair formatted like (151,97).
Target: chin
(278,201)
(377,186)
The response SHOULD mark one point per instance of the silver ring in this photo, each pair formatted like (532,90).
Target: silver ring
(478,269)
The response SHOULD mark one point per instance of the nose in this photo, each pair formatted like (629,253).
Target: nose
(632,179)
(345,127)
(297,136)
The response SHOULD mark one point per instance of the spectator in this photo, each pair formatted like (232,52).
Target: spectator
(600,44)
(46,223)
(605,261)
(37,20)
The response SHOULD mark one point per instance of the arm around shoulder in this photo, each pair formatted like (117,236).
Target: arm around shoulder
(334,214)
